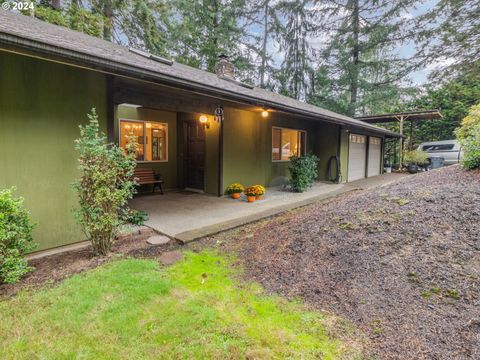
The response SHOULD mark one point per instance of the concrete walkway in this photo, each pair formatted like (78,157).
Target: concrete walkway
(187,216)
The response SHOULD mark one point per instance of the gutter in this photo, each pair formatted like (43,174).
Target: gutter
(34,48)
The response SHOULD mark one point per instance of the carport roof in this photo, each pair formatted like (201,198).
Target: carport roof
(407,116)
(29,36)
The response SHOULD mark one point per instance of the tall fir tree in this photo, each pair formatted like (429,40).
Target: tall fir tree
(296,24)
(450,32)
(201,30)
(361,63)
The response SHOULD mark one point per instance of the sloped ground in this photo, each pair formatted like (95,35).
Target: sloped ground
(401,261)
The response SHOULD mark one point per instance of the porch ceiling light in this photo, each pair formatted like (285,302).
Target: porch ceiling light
(135,106)
(264,113)
(204,121)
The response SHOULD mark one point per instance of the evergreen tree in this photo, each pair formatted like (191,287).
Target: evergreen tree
(451,33)
(296,23)
(201,30)
(361,64)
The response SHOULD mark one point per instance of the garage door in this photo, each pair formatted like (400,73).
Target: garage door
(357,155)
(374,156)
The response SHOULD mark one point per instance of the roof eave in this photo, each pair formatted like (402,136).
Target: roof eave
(33,48)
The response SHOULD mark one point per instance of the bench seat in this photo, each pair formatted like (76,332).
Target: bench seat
(147,176)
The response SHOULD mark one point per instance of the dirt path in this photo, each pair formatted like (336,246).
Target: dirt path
(402,262)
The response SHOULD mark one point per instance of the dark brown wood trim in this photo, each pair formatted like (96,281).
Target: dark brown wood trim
(110,110)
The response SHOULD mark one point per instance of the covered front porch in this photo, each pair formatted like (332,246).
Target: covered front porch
(186,216)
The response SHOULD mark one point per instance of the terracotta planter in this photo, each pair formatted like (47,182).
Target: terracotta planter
(259,197)
(235,195)
(251,198)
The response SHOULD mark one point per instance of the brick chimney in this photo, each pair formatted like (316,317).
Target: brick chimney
(225,68)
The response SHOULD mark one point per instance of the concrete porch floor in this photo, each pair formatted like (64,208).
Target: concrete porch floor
(187,216)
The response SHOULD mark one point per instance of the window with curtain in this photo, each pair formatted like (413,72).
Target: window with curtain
(152,139)
(287,143)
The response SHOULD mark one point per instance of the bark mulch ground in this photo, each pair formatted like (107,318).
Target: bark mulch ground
(401,261)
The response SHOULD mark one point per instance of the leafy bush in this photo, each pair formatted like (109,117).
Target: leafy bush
(106,184)
(235,188)
(415,157)
(15,237)
(303,171)
(468,135)
(136,217)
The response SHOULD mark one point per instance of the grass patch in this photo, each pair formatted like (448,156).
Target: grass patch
(133,309)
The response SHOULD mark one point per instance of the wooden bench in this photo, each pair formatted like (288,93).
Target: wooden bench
(147,176)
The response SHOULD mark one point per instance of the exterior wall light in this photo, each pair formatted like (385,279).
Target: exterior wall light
(204,121)
(264,113)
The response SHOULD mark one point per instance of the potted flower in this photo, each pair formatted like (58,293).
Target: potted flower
(260,191)
(251,193)
(235,189)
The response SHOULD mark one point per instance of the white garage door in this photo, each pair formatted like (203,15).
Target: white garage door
(357,154)
(374,156)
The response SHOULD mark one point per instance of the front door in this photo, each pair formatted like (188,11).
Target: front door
(194,143)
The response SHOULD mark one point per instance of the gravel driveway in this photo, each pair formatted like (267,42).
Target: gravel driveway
(402,262)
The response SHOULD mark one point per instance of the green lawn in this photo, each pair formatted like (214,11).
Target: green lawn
(134,309)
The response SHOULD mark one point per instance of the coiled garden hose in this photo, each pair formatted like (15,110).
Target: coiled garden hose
(334,161)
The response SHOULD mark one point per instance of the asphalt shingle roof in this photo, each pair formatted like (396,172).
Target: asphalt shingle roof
(25,31)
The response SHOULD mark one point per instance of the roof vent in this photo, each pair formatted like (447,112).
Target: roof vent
(151,56)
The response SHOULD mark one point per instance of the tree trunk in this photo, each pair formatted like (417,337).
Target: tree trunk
(108,14)
(355,59)
(264,46)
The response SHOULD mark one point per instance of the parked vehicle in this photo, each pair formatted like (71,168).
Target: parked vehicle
(450,150)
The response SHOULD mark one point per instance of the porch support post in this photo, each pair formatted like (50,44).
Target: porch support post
(110,110)
(220,158)
(400,144)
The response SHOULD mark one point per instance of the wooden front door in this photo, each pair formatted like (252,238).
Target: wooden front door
(194,150)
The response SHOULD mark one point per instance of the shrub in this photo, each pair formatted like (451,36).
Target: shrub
(468,135)
(15,237)
(235,188)
(415,157)
(303,171)
(106,184)
(136,217)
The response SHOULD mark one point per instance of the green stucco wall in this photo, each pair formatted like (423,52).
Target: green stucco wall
(167,169)
(248,146)
(41,106)
(344,155)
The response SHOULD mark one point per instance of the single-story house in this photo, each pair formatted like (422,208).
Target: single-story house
(199,130)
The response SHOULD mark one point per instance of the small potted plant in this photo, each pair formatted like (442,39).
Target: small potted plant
(415,159)
(235,189)
(260,191)
(251,193)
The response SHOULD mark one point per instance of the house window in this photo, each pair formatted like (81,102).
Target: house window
(287,143)
(152,139)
